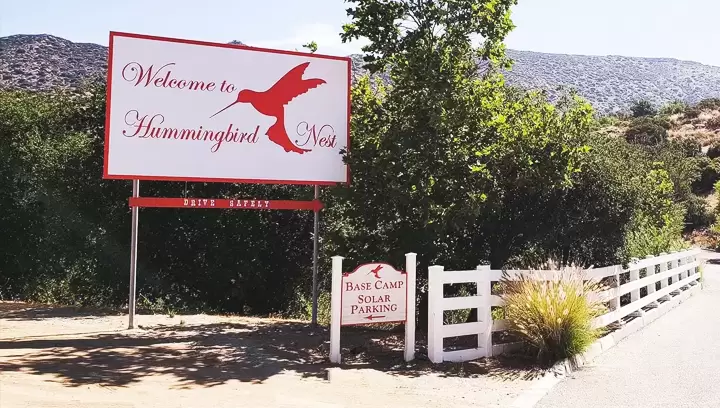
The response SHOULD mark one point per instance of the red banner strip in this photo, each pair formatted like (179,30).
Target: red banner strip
(225,204)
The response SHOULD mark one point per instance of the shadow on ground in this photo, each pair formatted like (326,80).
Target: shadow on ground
(213,354)
(24,311)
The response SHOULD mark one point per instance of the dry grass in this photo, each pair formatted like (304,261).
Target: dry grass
(553,317)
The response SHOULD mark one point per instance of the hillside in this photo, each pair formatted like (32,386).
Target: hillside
(610,83)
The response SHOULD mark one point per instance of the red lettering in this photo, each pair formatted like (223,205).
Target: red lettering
(195,85)
(389,285)
(161,78)
(134,72)
(148,126)
(227,87)
(140,124)
(324,137)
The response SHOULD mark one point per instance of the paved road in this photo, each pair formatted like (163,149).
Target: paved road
(673,362)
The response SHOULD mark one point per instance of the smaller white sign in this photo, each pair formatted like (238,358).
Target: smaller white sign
(374,293)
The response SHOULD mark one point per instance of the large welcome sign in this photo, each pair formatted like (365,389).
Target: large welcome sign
(184,110)
(196,111)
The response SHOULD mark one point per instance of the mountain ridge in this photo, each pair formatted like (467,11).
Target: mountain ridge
(610,83)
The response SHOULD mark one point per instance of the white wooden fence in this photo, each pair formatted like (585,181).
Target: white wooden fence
(674,272)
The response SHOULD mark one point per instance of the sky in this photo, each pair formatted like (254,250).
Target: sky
(682,29)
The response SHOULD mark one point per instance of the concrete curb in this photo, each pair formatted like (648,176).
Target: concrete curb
(530,397)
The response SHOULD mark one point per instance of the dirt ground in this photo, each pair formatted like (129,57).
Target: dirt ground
(65,357)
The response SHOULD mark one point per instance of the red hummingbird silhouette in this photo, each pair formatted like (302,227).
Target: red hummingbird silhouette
(376,271)
(272,103)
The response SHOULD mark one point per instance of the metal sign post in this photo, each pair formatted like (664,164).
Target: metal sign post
(315,259)
(214,203)
(133,255)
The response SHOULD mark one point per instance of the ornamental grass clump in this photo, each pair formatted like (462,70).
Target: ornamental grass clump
(554,318)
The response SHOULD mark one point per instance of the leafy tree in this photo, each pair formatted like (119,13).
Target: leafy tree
(698,215)
(447,162)
(658,222)
(646,131)
(399,30)
(311,46)
(643,108)
(709,170)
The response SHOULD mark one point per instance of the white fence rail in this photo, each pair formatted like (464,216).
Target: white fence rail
(647,282)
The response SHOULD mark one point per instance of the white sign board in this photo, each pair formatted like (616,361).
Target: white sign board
(195,111)
(374,293)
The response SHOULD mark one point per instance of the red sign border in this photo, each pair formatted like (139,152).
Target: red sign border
(107,176)
(342,279)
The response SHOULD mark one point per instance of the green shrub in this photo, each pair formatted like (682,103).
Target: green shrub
(709,170)
(698,215)
(713,123)
(647,236)
(692,113)
(554,318)
(647,131)
(608,120)
(689,147)
(714,151)
(709,104)
(673,108)
(302,307)
(643,108)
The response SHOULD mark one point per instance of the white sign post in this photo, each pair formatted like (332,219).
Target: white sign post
(373,293)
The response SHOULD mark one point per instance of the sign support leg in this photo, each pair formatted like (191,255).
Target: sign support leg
(315,260)
(133,256)
(336,313)
(410,270)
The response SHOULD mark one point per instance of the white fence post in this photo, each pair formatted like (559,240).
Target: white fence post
(673,265)
(410,270)
(615,301)
(681,262)
(484,290)
(663,268)
(650,271)
(635,275)
(435,314)
(336,309)
(691,259)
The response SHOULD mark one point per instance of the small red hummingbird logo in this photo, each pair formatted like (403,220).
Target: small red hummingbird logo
(376,271)
(272,102)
